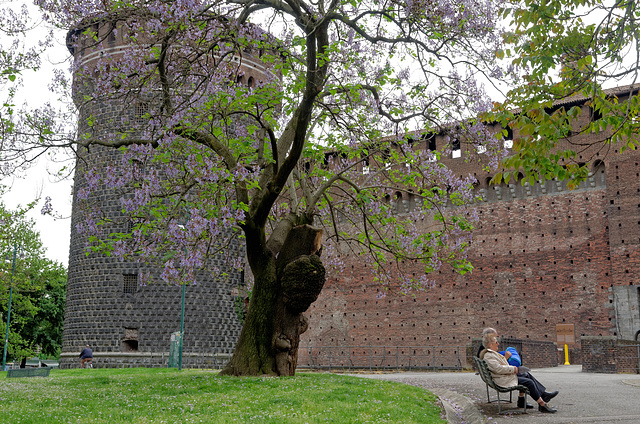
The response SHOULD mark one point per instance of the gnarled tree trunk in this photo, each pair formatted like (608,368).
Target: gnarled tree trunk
(285,286)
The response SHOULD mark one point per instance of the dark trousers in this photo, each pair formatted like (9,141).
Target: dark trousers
(536,389)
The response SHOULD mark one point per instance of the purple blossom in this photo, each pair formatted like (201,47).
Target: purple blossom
(47,208)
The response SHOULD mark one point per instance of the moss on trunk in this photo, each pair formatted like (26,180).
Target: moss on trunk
(283,290)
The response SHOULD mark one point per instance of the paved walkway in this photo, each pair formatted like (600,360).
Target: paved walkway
(583,398)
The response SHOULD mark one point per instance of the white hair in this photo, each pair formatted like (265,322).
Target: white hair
(488,335)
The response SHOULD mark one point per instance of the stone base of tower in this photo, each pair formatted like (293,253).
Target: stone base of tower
(199,360)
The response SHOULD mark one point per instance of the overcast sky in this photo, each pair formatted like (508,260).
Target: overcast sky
(38,182)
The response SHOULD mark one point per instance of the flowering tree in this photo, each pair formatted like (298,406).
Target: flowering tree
(280,123)
(577,49)
(18,53)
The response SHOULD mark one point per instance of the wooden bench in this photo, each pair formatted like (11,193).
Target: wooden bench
(485,374)
(29,372)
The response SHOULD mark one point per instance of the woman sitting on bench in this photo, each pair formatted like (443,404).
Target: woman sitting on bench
(506,375)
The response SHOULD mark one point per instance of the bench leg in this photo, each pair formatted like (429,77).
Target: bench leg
(499,400)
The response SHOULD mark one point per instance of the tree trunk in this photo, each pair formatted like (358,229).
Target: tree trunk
(284,288)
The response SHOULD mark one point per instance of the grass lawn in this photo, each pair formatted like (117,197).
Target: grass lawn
(160,395)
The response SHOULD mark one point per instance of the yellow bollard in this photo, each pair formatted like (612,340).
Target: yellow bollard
(566,355)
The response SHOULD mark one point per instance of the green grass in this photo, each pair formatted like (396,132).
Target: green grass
(160,395)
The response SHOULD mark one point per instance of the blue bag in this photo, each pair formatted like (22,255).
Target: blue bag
(514,359)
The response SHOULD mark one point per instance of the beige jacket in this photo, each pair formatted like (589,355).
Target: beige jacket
(503,373)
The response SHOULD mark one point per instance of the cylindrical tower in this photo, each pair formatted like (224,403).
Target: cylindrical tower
(126,323)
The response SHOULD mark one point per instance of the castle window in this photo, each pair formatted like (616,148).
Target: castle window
(130,283)
(140,112)
(111,37)
(456,152)
(431,141)
(328,159)
(129,342)
(365,166)
(508,138)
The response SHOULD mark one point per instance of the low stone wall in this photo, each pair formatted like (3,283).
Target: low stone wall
(145,359)
(534,354)
(610,355)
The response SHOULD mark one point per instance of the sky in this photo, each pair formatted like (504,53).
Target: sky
(54,232)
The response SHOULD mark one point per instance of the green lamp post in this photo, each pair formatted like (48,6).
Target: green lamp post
(184,286)
(6,337)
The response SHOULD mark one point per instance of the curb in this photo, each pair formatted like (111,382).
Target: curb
(459,409)
(632,382)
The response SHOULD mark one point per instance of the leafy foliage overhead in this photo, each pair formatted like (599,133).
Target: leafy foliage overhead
(573,53)
(342,85)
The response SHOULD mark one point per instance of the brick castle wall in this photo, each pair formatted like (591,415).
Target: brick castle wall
(543,255)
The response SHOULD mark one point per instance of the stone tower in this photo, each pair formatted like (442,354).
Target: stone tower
(128,324)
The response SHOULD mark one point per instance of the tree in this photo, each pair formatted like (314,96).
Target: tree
(16,57)
(319,145)
(44,328)
(37,304)
(577,49)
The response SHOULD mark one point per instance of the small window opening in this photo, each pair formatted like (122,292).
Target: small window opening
(141,112)
(129,342)
(130,283)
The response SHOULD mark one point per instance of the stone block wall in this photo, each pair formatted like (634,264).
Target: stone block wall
(538,261)
(610,355)
(108,308)
(199,360)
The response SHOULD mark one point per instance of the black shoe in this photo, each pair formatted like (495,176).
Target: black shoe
(546,397)
(521,403)
(546,409)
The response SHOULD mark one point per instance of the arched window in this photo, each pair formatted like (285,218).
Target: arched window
(599,173)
